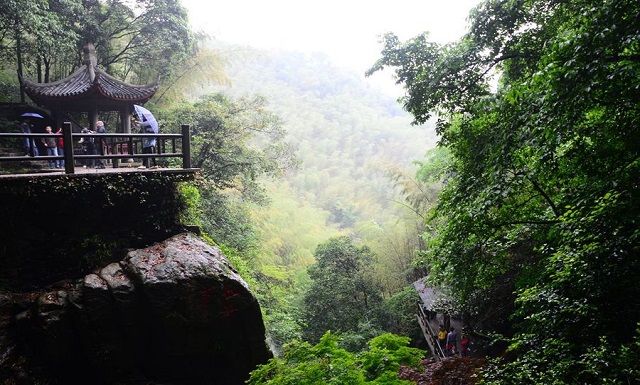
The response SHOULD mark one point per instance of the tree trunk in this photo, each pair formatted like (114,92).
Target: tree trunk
(19,60)
(47,69)
(39,69)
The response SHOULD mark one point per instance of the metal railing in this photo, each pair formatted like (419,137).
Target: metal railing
(113,146)
(429,334)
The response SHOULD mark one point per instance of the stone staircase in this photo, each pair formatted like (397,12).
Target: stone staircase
(32,165)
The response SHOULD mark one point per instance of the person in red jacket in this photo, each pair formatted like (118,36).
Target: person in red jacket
(60,148)
(464,345)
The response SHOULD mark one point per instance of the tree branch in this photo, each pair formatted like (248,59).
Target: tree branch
(545,196)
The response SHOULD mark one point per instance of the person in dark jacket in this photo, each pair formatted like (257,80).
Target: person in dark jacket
(148,144)
(452,342)
(30,148)
(88,146)
(51,144)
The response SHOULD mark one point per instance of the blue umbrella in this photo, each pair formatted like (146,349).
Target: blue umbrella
(145,115)
(32,115)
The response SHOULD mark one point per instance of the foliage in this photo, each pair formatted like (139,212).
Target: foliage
(346,133)
(234,142)
(611,364)
(283,323)
(227,220)
(342,293)
(201,69)
(136,41)
(306,364)
(387,352)
(395,245)
(290,245)
(435,165)
(219,216)
(541,192)
(150,39)
(35,30)
(277,292)
(602,363)
(191,196)
(398,314)
(326,363)
(9,89)
(99,216)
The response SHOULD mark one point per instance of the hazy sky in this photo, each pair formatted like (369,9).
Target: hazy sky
(347,30)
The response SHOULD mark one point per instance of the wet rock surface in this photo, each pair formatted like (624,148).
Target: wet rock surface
(449,371)
(172,313)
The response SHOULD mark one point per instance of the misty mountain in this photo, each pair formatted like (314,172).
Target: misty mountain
(346,132)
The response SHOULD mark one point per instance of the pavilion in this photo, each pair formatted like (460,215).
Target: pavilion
(89,89)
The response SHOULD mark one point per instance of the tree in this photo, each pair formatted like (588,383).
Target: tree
(343,293)
(225,219)
(30,32)
(542,191)
(141,41)
(136,41)
(400,314)
(234,142)
(203,68)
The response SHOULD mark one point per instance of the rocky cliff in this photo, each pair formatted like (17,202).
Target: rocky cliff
(172,313)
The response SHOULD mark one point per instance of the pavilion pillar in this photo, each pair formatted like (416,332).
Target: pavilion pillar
(58,115)
(125,117)
(93,117)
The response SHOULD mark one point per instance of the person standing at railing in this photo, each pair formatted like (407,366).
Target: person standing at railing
(51,144)
(148,144)
(89,147)
(60,148)
(30,148)
(100,142)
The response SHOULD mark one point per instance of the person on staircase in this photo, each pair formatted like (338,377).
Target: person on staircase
(30,147)
(442,338)
(464,345)
(452,342)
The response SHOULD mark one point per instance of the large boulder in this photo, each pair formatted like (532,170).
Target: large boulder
(173,313)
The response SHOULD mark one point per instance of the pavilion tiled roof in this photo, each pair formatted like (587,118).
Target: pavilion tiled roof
(79,85)
(88,83)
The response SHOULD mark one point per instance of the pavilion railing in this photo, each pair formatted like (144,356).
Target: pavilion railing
(113,146)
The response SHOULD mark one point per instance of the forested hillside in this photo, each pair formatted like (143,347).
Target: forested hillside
(525,216)
(537,224)
(347,134)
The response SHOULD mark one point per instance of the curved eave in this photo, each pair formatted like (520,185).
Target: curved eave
(79,86)
(75,85)
(114,89)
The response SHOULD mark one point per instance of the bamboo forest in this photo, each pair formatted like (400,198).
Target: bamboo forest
(480,227)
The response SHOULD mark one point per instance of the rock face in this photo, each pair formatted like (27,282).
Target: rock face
(172,313)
